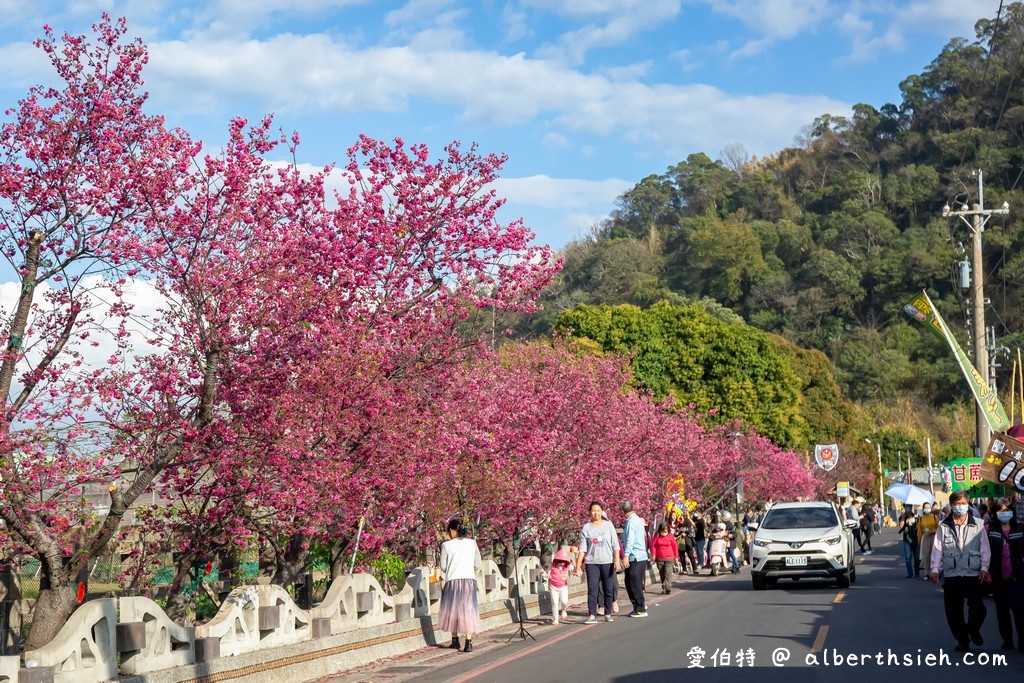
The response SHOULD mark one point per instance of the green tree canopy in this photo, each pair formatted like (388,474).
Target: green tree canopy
(729,369)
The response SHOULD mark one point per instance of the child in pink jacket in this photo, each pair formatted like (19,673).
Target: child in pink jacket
(558,584)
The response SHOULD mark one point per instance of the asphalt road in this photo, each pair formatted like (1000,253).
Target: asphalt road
(798,631)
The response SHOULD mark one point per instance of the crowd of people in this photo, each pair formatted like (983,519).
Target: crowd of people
(869,522)
(972,550)
(683,544)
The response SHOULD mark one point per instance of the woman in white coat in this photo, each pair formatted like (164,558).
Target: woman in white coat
(460,560)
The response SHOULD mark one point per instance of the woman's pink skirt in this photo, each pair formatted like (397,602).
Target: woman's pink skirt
(459,612)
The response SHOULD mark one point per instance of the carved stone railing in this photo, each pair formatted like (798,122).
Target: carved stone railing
(255,618)
(148,640)
(9,666)
(85,649)
(417,592)
(281,621)
(528,575)
(491,583)
(236,625)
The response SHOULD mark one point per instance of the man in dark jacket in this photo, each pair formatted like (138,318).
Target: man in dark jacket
(867,527)
(700,538)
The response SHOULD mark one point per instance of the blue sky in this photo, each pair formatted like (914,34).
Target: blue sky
(585,96)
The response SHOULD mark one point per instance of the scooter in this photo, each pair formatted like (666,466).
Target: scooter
(718,557)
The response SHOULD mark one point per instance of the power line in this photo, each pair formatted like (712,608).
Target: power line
(984,76)
(1009,87)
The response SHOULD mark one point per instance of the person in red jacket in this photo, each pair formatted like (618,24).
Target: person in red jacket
(665,552)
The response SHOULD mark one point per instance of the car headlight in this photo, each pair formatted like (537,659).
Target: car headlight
(833,540)
(761,544)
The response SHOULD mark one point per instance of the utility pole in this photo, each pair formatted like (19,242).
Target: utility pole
(979,217)
(881,474)
(931,482)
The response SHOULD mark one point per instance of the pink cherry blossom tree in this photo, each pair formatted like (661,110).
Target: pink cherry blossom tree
(82,172)
(543,430)
(292,336)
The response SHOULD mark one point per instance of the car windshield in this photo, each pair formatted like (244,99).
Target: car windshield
(799,518)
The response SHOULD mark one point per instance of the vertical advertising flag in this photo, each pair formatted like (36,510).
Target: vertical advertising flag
(923,310)
(827,456)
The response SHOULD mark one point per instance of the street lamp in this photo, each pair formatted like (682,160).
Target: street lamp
(881,499)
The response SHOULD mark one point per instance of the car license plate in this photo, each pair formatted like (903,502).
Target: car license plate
(796,561)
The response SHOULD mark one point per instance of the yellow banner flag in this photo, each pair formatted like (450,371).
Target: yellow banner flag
(923,310)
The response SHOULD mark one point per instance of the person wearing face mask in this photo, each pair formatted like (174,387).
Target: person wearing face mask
(911,543)
(961,552)
(926,527)
(1006,537)
(665,553)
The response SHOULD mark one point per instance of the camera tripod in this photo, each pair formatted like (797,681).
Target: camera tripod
(522,633)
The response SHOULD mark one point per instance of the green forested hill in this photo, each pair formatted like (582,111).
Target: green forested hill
(823,243)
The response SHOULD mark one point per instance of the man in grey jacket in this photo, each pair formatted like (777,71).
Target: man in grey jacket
(961,552)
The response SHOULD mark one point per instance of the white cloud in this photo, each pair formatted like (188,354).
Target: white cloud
(22,66)
(418,12)
(142,296)
(555,141)
(239,17)
(943,17)
(628,72)
(552,193)
(875,28)
(278,73)
(770,21)
(775,19)
(517,26)
(625,19)
(688,59)
(752,48)
(610,8)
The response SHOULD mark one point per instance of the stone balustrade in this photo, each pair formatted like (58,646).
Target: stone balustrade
(85,650)
(9,665)
(164,644)
(133,637)
(491,583)
(358,601)
(528,575)
(236,625)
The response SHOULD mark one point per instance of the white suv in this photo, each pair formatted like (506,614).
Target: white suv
(798,540)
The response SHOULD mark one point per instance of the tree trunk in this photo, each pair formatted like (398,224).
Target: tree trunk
(54,606)
(341,558)
(292,561)
(178,604)
(508,560)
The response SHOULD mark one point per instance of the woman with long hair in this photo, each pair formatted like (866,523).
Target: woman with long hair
(460,560)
